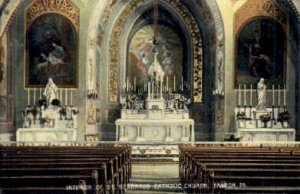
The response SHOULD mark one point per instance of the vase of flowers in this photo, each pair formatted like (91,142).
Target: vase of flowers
(265,118)
(283,118)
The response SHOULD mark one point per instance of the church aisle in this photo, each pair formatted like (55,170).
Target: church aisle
(155,178)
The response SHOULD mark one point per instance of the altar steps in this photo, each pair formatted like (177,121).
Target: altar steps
(154,178)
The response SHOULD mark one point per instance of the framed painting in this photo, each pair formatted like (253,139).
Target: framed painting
(51,51)
(261,53)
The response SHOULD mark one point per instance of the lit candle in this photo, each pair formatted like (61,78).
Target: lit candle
(239,95)
(250,94)
(284,96)
(245,103)
(278,95)
(273,96)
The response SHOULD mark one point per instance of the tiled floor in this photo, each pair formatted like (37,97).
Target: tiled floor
(154,178)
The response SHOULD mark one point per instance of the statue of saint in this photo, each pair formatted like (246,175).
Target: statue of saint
(261,94)
(51,91)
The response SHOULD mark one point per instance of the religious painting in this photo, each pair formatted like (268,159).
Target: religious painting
(3,66)
(51,51)
(261,53)
(141,55)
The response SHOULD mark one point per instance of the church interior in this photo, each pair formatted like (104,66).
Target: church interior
(149,96)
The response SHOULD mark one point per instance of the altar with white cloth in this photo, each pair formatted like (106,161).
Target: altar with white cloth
(41,135)
(48,120)
(156,114)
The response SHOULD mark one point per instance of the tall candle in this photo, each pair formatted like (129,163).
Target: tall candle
(278,95)
(245,103)
(34,96)
(250,94)
(28,96)
(127,84)
(60,97)
(181,83)
(284,95)
(167,83)
(66,96)
(71,97)
(239,95)
(174,84)
(134,83)
(40,93)
(273,96)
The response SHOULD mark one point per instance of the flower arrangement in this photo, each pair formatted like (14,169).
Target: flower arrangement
(283,116)
(265,117)
(242,116)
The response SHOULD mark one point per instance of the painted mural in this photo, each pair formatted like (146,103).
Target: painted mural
(3,66)
(141,55)
(261,53)
(51,51)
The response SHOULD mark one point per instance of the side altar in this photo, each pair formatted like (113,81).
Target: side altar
(49,121)
(155,114)
(262,123)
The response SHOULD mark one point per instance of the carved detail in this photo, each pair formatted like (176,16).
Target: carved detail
(264,8)
(197,41)
(63,7)
(114,47)
(108,10)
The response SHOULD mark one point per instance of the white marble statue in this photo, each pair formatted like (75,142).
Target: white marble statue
(261,94)
(51,91)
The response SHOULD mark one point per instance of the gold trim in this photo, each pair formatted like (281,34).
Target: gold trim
(115,41)
(63,7)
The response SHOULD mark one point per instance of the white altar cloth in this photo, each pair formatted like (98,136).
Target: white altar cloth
(266,134)
(46,134)
(162,130)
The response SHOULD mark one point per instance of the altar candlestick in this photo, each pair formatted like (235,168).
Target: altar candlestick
(239,95)
(245,103)
(250,94)
(273,95)
(174,84)
(40,93)
(284,95)
(278,95)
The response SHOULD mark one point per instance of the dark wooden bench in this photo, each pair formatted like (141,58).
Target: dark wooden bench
(111,164)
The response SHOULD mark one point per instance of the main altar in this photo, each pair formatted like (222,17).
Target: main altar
(155,115)
(46,120)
